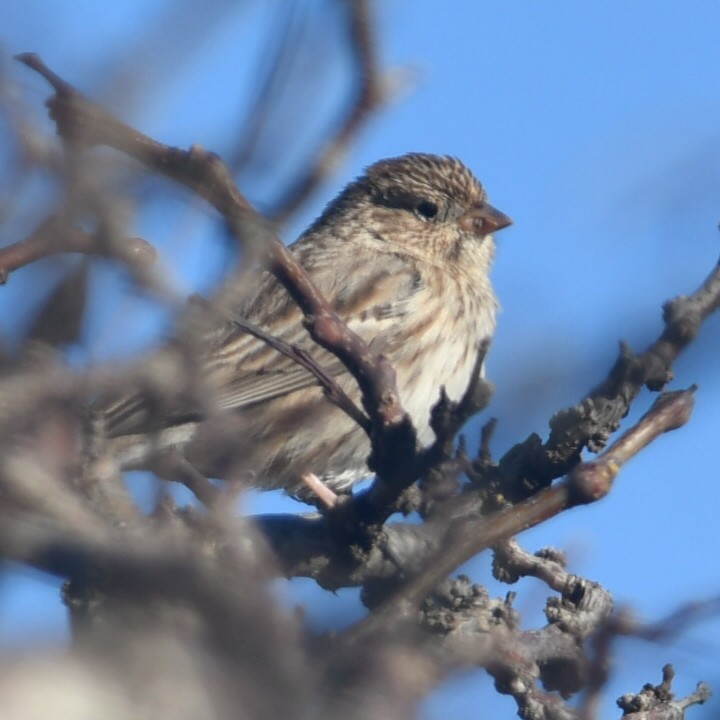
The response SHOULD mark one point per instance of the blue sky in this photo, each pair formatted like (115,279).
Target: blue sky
(596,126)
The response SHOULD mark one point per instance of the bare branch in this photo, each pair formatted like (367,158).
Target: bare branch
(55,236)
(588,483)
(597,416)
(657,702)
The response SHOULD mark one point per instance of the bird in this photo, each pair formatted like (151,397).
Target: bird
(403,256)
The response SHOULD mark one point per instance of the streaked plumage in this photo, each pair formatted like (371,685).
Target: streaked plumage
(403,255)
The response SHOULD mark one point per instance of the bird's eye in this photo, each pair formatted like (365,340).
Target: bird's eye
(426,209)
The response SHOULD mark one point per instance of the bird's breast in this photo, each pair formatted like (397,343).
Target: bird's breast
(446,326)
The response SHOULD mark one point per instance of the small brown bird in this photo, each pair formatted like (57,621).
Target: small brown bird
(403,255)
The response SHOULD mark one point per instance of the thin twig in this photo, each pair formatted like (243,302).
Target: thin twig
(368,98)
(332,391)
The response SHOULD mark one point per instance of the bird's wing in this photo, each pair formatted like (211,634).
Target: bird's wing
(370,303)
(242,370)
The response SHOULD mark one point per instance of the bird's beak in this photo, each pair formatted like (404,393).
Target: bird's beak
(484,219)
